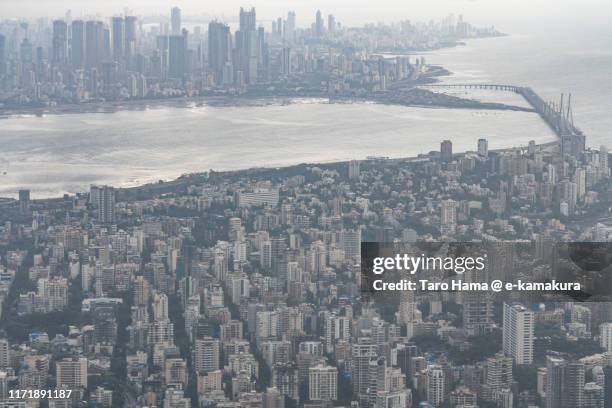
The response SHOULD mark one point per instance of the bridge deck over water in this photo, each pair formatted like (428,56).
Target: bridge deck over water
(571,139)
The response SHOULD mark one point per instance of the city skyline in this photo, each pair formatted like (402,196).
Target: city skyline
(387,11)
(118,58)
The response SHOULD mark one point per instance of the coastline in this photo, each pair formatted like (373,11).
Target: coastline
(180,183)
(401,93)
(431,76)
(252,98)
(229,100)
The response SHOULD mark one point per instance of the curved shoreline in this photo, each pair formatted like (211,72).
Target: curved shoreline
(180,183)
(214,98)
(154,176)
(427,99)
(217,98)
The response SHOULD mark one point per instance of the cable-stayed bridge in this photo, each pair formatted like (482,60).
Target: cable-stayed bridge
(557,115)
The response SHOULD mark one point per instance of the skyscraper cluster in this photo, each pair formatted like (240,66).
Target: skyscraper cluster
(125,57)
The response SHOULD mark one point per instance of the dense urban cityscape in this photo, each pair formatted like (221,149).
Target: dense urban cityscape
(72,61)
(242,289)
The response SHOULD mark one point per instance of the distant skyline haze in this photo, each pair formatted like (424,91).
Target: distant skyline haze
(353,12)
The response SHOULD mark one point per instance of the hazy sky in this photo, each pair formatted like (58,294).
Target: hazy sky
(351,12)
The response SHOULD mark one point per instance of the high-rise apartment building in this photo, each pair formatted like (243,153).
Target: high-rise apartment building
(219,49)
(518,329)
(130,39)
(94,44)
(141,291)
(118,38)
(206,355)
(323,383)
(247,46)
(102,199)
(446,151)
(175,372)
(71,373)
(289,29)
(177,55)
(499,376)
(59,52)
(319,24)
(175,21)
(77,48)
(160,306)
(605,336)
(361,353)
(483,148)
(448,216)
(353,169)
(565,383)
(435,385)
(5,357)
(24,202)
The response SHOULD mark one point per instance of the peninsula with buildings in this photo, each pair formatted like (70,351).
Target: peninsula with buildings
(75,65)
